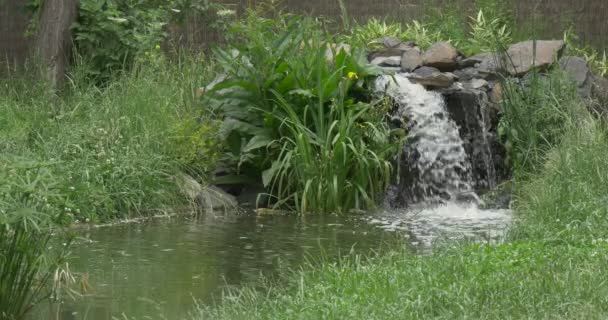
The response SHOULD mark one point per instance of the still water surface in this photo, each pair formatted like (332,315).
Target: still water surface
(159,268)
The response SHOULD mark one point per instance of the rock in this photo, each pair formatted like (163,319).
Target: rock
(495,93)
(335,48)
(392,52)
(408,46)
(441,55)
(391,42)
(477,120)
(411,60)
(476,84)
(469,74)
(599,91)
(208,198)
(579,71)
(432,78)
(529,54)
(473,61)
(491,66)
(394,61)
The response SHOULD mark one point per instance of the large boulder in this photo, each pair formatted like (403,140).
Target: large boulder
(578,69)
(441,55)
(432,78)
(529,54)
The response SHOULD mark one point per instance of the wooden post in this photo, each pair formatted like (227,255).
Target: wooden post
(54,39)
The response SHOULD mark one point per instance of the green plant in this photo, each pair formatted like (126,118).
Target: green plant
(27,218)
(421,34)
(536,114)
(373,32)
(598,61)
(110,152)
(299,118)
(485,33)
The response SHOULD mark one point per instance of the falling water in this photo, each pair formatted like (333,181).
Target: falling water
(436,180)
(436,160)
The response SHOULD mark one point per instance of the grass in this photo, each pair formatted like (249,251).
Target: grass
(104,153)
(524,280)
(552,266)
(92,154)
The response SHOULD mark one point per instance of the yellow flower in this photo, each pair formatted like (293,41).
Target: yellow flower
(353,75)
(157,47)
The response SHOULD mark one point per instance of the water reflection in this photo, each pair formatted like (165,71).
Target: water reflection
(155,270)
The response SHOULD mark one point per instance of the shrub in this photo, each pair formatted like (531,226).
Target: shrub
(301,119)
(536,114)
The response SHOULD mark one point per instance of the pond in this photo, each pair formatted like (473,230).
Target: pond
(159,268)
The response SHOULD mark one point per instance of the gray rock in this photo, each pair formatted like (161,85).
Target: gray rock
(208,198)
(599,91)
(473,61)
(394,61)
(468,74)
(432,78)
(579,71)
(391,42)
(411,60)
(476,84)
(392,52)
(441,55)
(529,54)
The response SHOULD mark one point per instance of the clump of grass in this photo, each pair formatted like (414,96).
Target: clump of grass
(566,200)
(536,115)
(523,280)
(107,152)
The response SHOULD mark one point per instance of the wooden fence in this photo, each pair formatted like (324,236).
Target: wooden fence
(550,17)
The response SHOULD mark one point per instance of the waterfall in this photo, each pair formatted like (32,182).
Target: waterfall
(435,166)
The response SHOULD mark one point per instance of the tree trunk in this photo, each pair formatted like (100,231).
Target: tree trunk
(54,40)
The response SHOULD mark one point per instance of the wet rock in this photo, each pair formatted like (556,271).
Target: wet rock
(394,61)
(529,54)
(411,60)
(477,120)
(579,71)
(442,56)
(208,198)
(432,78)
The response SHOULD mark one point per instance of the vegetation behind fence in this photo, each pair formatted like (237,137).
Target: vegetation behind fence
(588,18)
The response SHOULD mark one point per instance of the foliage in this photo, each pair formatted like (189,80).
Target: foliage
(598,61)
(373,32)
(536,114)
(485,33)
(26,226)
(523,280)
(300,118)
(110,35)
(103,153)
(567,200)
(26,267)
